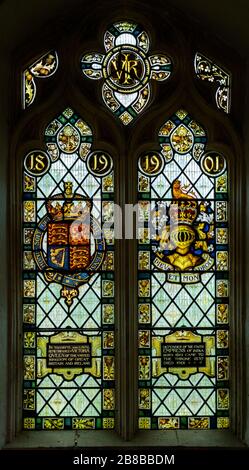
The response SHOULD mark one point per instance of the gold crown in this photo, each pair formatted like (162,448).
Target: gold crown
(68,206)
(184,211)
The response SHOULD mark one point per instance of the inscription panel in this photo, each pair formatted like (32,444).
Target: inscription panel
(183,355)
(69,355)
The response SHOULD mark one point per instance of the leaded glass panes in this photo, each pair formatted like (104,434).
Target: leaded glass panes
(183,282)
(68,281)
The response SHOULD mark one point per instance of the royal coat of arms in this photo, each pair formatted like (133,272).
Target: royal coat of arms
(68,245)
(186,241)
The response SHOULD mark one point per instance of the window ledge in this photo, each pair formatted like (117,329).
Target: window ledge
(189,438)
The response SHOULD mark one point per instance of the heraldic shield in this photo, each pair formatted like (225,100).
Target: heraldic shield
(68,245)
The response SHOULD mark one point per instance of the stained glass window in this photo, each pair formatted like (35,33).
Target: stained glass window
(68,281)
(183,282)
(127,69)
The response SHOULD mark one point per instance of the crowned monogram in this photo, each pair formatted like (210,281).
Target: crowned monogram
(126,69)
